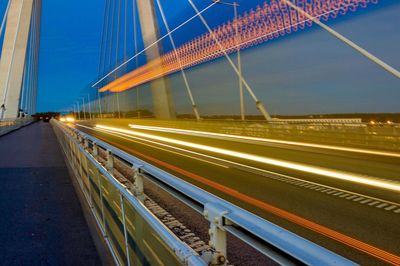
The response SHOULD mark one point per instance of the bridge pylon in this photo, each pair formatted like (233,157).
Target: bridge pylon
(13,55)
(163,104)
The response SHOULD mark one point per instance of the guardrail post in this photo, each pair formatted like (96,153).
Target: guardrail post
(86,143)
(214,214)
(103,217)
(110,161)
(138,189)
(95,150)
(122,205)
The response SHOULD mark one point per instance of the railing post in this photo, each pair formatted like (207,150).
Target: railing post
(95,150)
(138,189)
(128,260)
(103,217)
(214,214)
(86,143)
(110,162)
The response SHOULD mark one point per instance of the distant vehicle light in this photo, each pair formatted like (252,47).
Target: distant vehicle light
(62,119)
(389,122)
(372,122)
(70,119)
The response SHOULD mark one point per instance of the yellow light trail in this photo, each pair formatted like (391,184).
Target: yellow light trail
(304,144)
(361,179)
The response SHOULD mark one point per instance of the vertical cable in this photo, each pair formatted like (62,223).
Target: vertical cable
(189,91)
(134,10)
(111,35)
(259,104)
(117,51)
(102,38)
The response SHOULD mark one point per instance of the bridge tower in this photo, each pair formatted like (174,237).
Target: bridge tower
(163,103)
(22,24)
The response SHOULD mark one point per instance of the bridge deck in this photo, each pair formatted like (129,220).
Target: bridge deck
(41,221)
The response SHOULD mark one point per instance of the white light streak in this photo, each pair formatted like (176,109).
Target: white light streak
(266,140)
(361,179)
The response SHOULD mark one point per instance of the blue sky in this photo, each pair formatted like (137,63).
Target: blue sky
(70,47)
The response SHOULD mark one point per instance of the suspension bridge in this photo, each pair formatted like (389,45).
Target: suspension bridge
(138,171)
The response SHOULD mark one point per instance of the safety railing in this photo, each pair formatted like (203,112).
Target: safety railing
(9,125)
(136,237)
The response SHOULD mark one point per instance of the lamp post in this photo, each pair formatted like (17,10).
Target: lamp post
(90,112)
(235,5)
(74,111)
(79,111)
(83,107)
(98,98)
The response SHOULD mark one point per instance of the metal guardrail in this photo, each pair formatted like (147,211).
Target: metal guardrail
(124,219)
(9,125)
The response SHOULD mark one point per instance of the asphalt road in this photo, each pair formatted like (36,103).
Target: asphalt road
(358,219)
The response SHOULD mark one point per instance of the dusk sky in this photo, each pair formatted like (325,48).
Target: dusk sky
(307,72)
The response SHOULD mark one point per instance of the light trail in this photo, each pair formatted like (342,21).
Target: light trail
(360,179)
(141,142)
(266,140)
(237,165)
(267,22)
(305,223)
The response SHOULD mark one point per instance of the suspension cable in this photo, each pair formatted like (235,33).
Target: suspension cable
(105,31)
(102,38)
(3,22)
(117,50)
(157,41)
(259,104)
(194,107)
(336,34)
(136,51)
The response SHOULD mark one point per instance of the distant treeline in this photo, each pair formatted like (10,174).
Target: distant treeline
(365,117)
(46,114)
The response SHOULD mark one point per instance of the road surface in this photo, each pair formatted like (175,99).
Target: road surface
(345,200)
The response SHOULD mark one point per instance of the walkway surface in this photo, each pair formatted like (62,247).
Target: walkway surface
(41,221)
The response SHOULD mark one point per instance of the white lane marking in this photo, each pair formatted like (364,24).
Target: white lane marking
(374,203)
(335,174)
(266,140)
(287,179)
(351,197)
(381,205)
(391,207)
(358,199)
(365,201)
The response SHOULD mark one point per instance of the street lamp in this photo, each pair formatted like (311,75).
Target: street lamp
(83,107)
(79,111)
(235,5)
(90,112)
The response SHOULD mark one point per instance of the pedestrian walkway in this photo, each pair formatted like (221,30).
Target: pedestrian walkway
(41,221)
